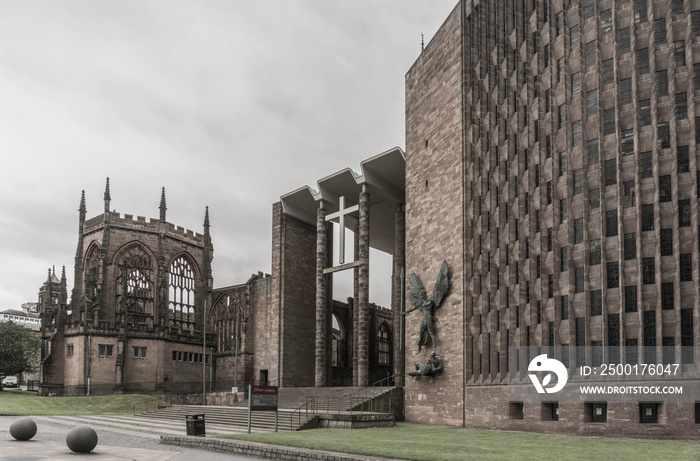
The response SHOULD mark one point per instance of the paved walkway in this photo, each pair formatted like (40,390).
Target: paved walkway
(119,438)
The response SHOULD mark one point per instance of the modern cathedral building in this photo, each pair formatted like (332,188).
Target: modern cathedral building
(551,159)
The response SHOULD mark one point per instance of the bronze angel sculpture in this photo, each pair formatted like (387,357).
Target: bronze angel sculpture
(419,299)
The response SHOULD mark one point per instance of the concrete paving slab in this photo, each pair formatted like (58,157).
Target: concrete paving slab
(113,445)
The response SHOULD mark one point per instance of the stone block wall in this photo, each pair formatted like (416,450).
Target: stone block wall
(435,219)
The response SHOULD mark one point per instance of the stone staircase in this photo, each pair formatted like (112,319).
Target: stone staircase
(298,408)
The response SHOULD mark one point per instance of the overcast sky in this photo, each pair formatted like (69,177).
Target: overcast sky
(227,104)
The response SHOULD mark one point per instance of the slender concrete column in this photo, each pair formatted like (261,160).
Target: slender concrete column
(321,375)
(355,312)
(397,288)
(363,293)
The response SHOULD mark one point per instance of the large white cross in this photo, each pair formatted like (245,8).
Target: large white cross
(340,214)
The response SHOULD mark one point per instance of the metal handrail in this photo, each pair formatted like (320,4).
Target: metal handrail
(146,404)
(310,402)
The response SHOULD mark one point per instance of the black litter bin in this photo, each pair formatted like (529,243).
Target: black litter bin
(195,424)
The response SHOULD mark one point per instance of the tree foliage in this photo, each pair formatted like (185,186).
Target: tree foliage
(19,349)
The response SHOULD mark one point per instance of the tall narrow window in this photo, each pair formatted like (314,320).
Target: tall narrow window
(588,9)
(594,199)
(575,32)
(609,121)
(623,40)
(640,11)
(661,78)
(679,53)
(683,213)
(628,196)
(577,133)
(611,223)
(561,116)
(576,84)
(613,270)
(564,266)
(687,337)
(676,6)
(225,321)
(646,167)
(643,61)
(591,53)
(593,152)
(648,271)
(667,296)
(630,243)
(181,294)
(660,31)
(665,188)
(135,287)
(686,265)
(563,214)
(559,28)
(596,302)
(644,114)
(631,298)
(606,22)
(561,70)
(648,217)
(579,280)
(608,71)
(627,143)
(578,230)
(562,162)
(683,159)
(666,242)
(594,252)
(681,106)
(649,336)
(663,135)
(384,344)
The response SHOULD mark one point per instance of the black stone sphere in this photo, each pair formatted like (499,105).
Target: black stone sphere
(23,429)
(81,439)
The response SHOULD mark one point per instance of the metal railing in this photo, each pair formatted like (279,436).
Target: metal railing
(150,405)
(308,408)
(364,400)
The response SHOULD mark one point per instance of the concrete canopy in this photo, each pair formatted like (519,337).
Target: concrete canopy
(384,177)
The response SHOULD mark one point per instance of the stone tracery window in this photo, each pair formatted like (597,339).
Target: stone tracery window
(225,318)
(135,290)
(181,293)
(92,272)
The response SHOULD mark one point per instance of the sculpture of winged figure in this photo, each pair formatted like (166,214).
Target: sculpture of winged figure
(419,299)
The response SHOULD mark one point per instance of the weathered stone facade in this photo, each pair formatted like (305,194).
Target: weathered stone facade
(551,159)
(143,302)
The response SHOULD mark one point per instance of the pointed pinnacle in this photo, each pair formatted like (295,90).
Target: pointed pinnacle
(206,219)
(108,196)
(82,210)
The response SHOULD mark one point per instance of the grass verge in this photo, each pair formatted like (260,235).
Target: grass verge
(429,443)
(16,402)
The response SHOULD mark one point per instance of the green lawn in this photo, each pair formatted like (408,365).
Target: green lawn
(16,402)
(430,443)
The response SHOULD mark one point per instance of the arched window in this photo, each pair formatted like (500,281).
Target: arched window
(181,292)
(384,344)
(338,343)
(135,286)
(225,318)
(92,272)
